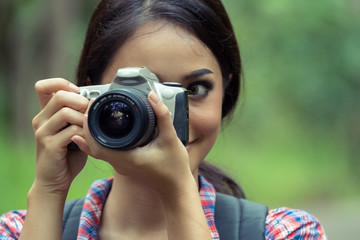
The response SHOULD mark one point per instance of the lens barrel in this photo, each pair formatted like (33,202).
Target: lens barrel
(122,119)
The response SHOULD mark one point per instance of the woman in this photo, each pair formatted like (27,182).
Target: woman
(154,193)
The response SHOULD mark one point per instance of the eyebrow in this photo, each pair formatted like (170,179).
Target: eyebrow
(198,73)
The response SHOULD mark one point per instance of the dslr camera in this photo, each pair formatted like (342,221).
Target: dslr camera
(121,116)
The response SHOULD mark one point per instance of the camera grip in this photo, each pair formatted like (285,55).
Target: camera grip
(181,118)
(72,147)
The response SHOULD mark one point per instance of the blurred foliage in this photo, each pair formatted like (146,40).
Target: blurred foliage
(294,138)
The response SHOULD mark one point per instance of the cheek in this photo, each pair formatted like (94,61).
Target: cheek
(204,122)
(205,116)
(204,128)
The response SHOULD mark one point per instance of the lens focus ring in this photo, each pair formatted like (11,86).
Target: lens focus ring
(122,119)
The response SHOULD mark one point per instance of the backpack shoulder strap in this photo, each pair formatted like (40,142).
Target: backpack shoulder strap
(71,218)
(234,218)
(239,218)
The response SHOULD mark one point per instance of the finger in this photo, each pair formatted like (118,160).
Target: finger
(66,99)
(64,137)
(60,100)
(89,105)
(60,120)
(87,143)
(59,141)
(164,122)
(123,161)
(45,89)
(90,146)
(81,143)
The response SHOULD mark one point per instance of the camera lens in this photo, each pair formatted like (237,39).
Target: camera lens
(116,119)
(122,119)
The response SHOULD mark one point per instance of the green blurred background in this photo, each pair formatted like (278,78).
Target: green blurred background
(294,140)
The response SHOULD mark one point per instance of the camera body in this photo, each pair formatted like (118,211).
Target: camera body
(121,116)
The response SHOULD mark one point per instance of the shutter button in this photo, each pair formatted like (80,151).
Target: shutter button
(168,93)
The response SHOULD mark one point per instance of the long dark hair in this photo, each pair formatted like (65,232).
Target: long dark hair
(115,21)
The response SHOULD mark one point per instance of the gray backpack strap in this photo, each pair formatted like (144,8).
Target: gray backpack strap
(234,218)
(239,218)
(71,218)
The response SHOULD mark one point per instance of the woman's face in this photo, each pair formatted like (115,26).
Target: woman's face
(175,55)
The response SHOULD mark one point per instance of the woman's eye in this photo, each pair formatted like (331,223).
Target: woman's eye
(199,88)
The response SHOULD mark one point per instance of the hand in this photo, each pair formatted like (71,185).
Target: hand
(61,117)
(163,164)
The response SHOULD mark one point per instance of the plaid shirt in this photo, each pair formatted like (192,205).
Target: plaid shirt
(281,223)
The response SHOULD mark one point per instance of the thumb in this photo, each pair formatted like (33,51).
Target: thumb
(163,118)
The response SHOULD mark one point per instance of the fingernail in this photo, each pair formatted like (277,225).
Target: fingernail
(74,87)
(154,97)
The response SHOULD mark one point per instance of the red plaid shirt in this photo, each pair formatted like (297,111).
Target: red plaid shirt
(281,223)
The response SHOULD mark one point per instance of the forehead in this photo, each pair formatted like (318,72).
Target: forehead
(162,47)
